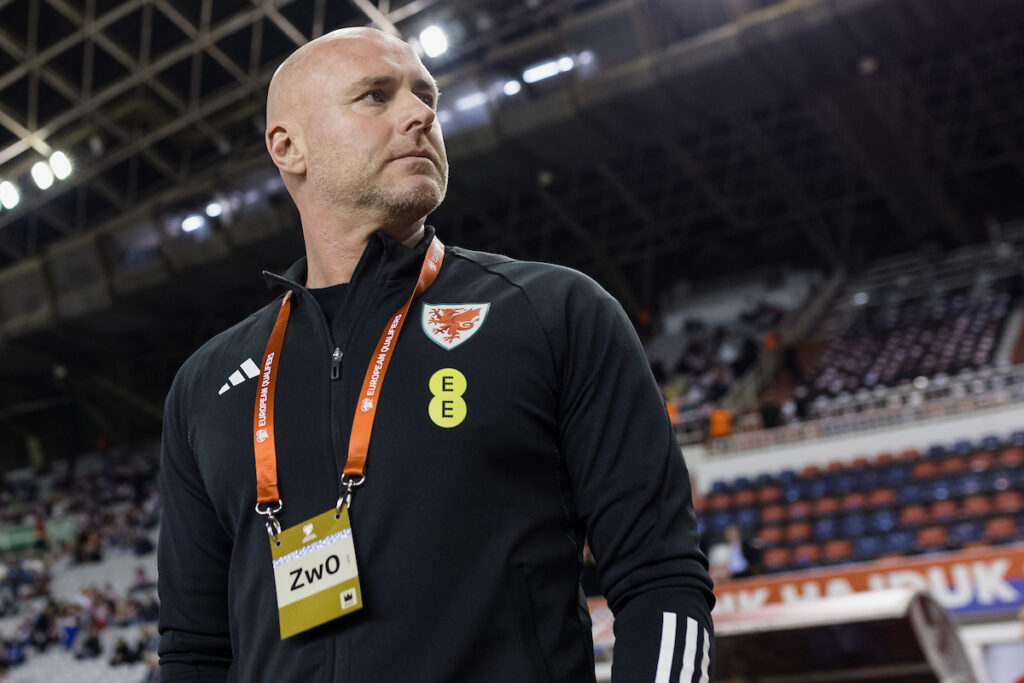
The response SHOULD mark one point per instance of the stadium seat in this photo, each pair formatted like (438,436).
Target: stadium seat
(770,536)
(769,495)
(944,511)
(798,532)
(773,514)
(901,542)
(838,551)
(1001,478)
(936,452)
(787,476)
(748,518)
(799,510)
(815,488)
(824,507)
(963,447)
(1017,439)
(720,521)
(719,487)
(1012,457)
(909,454)
(952,466)
(806,554)
(1008,502)
(699,504)
(867,480)
(885,459)
(792,492)
(719,501)
(764,479)
(895,476)
(979,462)
(932,538)
(845,483)
(858,463)
(854,501)
(853,525)
(776,559)
(744,498)
(925,470)
(1000,529)
(810,471)
(913,515)
(740,484)
(990,443)
(911,494)
(940,489)
(964,533)
(867,547)
(882,497)
(883,521)
(976,506)
(825,529)
(835,467)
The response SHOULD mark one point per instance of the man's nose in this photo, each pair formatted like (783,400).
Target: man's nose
(416,114)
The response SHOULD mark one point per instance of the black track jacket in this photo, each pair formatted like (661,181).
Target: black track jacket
(468,538)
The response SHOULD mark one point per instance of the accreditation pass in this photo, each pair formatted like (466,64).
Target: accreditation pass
(315,572)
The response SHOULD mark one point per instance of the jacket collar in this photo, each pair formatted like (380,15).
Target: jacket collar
(382,251)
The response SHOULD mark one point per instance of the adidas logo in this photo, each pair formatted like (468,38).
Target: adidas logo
(248,367)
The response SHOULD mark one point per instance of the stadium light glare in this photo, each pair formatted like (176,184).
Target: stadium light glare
(548,69)
(511,87)
(214,209)
(434,41)
(444,116)
(192,223)
(60,165)
(9,196)
(42,174)
(860,298)
(477,99)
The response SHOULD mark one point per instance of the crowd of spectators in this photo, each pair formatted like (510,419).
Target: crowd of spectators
(115,509)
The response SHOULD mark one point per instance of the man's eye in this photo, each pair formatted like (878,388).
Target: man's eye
(375,96)
(428,99)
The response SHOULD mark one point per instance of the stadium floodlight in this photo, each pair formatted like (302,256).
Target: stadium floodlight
(42,174)
(434,41)
(60,165)
(511,87)
(9,196)
(214,209)
(193,222)
(860,298)
(548,69)
(477,99)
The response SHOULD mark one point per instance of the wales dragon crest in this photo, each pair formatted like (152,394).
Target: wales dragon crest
(449,325)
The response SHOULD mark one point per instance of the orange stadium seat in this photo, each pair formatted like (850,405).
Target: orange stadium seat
(769,494)
(797,532)
(932,538)
(885,459)
(839,550)
(882,497)
(776,558)
(824,507)
(835,467)
(744,498)
(854,501)
(859,463)
(1012,457)
(801,509)
(925,470)
(807,553)
(954,465)
(773,514)
(909,454)
(699,503)
(1000,529)
(976,506)
(980,462)
(944,511)
(1009,502)
(810,471)
(770,536)
(719,501)
(913,515)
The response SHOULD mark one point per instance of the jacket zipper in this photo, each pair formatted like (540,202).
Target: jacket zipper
(336,363)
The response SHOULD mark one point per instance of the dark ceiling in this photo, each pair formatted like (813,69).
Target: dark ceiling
(691,140)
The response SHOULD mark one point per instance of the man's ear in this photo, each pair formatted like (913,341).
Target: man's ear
(285,148)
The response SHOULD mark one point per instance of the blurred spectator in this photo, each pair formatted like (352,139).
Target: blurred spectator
(733,558)
(91,647)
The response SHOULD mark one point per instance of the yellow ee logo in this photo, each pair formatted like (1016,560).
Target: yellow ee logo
(447,409)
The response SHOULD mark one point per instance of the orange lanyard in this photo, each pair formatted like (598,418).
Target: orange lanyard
(366,408)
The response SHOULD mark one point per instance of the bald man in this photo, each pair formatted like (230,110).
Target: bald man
(389,472)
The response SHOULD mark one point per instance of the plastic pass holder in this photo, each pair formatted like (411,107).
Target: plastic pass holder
(315,572)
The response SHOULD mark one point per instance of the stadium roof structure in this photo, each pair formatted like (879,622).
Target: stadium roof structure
(642,141)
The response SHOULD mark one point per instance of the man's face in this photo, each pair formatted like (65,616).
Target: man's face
(372,138)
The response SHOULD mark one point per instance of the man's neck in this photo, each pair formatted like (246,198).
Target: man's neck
(333,251)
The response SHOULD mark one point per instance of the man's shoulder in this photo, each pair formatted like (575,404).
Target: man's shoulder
(533,277)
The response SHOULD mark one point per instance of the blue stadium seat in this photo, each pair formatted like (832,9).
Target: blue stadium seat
(1017,439)
(702,525)
(965,532)
(866,547)
(748,518)
(940,489)
(764,480)
(883,521)
(844,483)
(854,525)
(969,484)
(741,484)
(787,476)
(868,480)
(815,488)
(963,447)
(792,493)
(911,494)
(899,542)
(719,487)
(825,529)
(936,452)
(895,476)
(1002,479)
(720,521)
(990,443)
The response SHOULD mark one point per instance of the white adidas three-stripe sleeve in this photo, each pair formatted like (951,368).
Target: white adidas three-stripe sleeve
(668,647)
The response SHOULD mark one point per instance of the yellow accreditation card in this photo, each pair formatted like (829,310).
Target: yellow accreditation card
(315,572)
